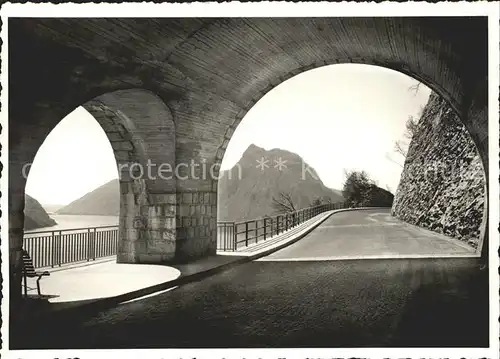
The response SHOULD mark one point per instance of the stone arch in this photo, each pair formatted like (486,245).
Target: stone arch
(139,127)
(141,131)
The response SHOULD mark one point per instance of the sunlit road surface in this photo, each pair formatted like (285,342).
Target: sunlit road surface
(418,302)
(369,234)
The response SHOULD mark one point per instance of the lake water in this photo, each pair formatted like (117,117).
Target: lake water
(69,221)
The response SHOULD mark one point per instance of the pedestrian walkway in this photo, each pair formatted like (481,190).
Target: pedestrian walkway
(103,279)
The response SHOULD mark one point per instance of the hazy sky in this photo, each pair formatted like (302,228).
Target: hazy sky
(335,117)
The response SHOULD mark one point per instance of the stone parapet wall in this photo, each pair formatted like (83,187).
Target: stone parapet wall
(442,185)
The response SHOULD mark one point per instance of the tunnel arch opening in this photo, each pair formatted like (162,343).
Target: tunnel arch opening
(435,91)
(140,133)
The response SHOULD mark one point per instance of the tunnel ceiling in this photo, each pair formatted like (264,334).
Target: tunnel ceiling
(210,72)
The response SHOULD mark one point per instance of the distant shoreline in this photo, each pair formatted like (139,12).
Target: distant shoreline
(84,214)
(69,221)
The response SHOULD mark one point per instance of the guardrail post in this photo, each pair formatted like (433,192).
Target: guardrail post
(235,238)
(94,240)
(59,247)
(53,250)
(265,228)
(286,222)
(256,230)
(88,244)
(246,234)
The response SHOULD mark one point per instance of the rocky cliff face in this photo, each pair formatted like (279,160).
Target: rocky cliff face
(442,185)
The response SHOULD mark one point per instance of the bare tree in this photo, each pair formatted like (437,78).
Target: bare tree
(400,148)
(411,128)
(415,88)
(284,203)
(388,156)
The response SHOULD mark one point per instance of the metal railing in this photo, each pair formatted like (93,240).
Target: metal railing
(51,248)
(232,236)
(57,247)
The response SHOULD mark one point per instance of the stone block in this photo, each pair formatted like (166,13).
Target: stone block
(127,246)
(169,223)
(126,257)
(122,156)
(114,136)
(195,247)
(169,235)
(186,221)
(162,246)
(229,133)
(184,210)
(122,145)
(187,198)
(154,258)
(180,233)
(130,235)
(171,198)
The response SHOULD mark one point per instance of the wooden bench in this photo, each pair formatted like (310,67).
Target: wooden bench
(29,272)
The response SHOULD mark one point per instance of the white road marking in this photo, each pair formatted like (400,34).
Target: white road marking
(149,295)
(378,256)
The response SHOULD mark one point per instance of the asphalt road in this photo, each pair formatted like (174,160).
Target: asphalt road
(369,233)
(341,303)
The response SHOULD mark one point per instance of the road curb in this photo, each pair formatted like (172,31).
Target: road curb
(100,304)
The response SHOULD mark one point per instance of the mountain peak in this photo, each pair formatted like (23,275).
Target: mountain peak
(246,191)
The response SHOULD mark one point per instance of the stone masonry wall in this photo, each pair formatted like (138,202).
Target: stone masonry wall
(196,224)
(442,186)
